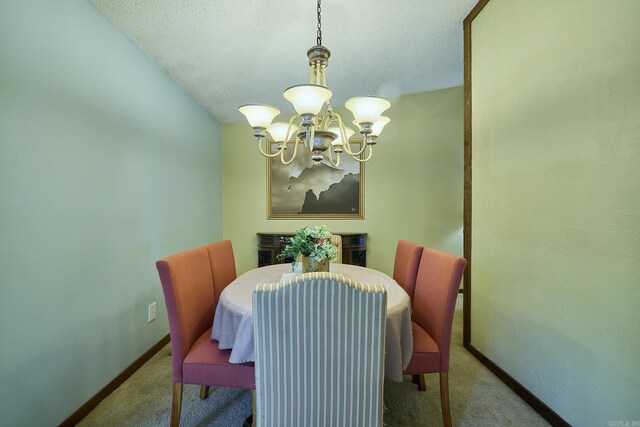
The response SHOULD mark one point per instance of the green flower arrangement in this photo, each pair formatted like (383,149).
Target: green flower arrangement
(313,242)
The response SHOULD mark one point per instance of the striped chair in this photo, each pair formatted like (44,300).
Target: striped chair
(319,352)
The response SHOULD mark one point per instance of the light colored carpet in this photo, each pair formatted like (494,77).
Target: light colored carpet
(477,398)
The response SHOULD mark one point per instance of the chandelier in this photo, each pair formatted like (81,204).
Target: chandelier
(316,124)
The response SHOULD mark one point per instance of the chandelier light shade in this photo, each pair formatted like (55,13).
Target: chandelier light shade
(315,124)
(278,131)
(259,116)
(307,99)
(367,109)
(350,132)
(337,143)
(379,124)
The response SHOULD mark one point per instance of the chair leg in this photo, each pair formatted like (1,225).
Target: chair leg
(254,405)
(176,405)
(419,379)
(249,421)
(444,399)
(204,391)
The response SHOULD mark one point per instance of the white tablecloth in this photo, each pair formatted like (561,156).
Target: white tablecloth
(233,321)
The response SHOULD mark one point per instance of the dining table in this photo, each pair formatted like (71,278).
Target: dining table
(233,319)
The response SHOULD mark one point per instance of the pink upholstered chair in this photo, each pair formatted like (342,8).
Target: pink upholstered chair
(434,302)
(406,264)
(223,266)
(187,283)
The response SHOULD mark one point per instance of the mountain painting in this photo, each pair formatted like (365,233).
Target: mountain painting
(306,189)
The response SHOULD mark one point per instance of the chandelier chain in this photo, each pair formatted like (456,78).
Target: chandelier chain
(319,40)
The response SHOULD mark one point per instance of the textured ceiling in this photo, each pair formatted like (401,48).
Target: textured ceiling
(226,53)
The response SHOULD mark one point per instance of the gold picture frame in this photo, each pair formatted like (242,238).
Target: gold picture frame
(304,189)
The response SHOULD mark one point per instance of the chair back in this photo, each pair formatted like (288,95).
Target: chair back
(337,240)
(188,292)
(223,266)
(435,297)
(319,352)
(405,268)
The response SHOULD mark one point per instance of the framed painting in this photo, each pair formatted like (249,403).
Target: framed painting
(306,189)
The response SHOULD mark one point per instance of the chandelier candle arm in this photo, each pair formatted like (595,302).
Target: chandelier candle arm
(355,154)
(338,143)
(293,156)
(274,134)
(345,141)
(337,161)
(276,154)
(366,159)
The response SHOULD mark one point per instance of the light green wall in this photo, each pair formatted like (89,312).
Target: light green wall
(556,202)
(105,167)
(413,184)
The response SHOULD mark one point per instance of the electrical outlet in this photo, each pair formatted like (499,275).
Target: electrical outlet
(152,312)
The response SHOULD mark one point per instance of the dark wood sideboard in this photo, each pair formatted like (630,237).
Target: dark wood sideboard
(354,248)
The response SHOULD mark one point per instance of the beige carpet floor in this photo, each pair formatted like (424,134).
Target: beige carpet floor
(477,397)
